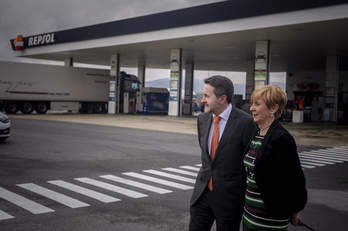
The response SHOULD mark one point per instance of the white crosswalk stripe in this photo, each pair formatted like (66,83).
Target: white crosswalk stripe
(328,154)
(136,184)
(65,200)
(158,181)
(84,191)
(190,168)
(180,171)
(310,163)
(5,216)
(322,157)
(319,159)
(307,166)
(23,202)
(111,187)
(171,176)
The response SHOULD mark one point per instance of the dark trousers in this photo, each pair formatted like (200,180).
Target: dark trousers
(204,213)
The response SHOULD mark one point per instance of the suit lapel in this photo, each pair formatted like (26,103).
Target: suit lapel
(205,124)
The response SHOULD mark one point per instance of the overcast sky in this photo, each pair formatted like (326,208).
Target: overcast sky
(31,17)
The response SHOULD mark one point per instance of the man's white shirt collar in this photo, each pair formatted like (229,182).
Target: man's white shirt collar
(226,113)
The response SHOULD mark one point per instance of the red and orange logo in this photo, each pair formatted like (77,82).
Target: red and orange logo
(18,43)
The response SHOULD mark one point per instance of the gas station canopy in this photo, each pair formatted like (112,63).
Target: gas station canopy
(219,36)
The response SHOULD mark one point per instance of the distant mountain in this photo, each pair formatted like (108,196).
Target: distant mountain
(198,85)
(280,84)
(162,83)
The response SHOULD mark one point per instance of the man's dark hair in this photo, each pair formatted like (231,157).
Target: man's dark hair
(222,85)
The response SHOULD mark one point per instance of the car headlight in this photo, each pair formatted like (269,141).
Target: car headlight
(5,119)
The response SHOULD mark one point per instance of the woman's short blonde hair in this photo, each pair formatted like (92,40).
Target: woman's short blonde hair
(272,95)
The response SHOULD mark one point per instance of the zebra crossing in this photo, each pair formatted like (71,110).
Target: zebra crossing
(322,157)
(168,179)
(151,181)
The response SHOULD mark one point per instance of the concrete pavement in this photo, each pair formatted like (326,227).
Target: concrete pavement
(327,134)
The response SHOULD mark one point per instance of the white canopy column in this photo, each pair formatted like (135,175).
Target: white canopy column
(69,62)
(141,75)
(175,102)
(262,54)
(188,98)
(331,90)
(113,105)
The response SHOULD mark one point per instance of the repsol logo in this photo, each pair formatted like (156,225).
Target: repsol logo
(41,39)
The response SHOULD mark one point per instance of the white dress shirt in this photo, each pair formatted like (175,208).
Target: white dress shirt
(222,124)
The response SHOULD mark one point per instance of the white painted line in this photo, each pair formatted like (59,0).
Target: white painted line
(60,198)
(323,156)
(341,148)
(337,150)
(190,168)
(331,152)
(181,171)
(111,187)
(171,176)
(307,166)
(84,191)
(136,184)
(318,160)
(157,180)
(311,163)
(5,216)
(23,202)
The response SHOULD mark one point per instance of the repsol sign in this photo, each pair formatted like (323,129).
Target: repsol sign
(41,39)
(20,43)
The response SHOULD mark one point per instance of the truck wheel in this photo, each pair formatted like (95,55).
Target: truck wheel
(11,107)
(41,107)
(27,107)
(90,108)
(98,108)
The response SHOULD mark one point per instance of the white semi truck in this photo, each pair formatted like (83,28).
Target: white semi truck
(28,87)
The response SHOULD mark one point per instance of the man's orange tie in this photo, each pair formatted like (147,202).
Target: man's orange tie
(214,145)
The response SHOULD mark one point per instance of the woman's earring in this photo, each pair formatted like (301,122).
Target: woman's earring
(272,114)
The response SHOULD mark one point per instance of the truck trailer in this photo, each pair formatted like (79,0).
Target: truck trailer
(27,87)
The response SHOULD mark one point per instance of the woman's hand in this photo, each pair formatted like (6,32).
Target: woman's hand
(294,219)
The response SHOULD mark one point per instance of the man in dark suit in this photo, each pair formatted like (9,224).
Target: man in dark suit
(223,200)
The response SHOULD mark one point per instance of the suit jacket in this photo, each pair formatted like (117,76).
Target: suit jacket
(226,168)
(279,175)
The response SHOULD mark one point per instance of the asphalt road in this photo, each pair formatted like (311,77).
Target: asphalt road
(40,154)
